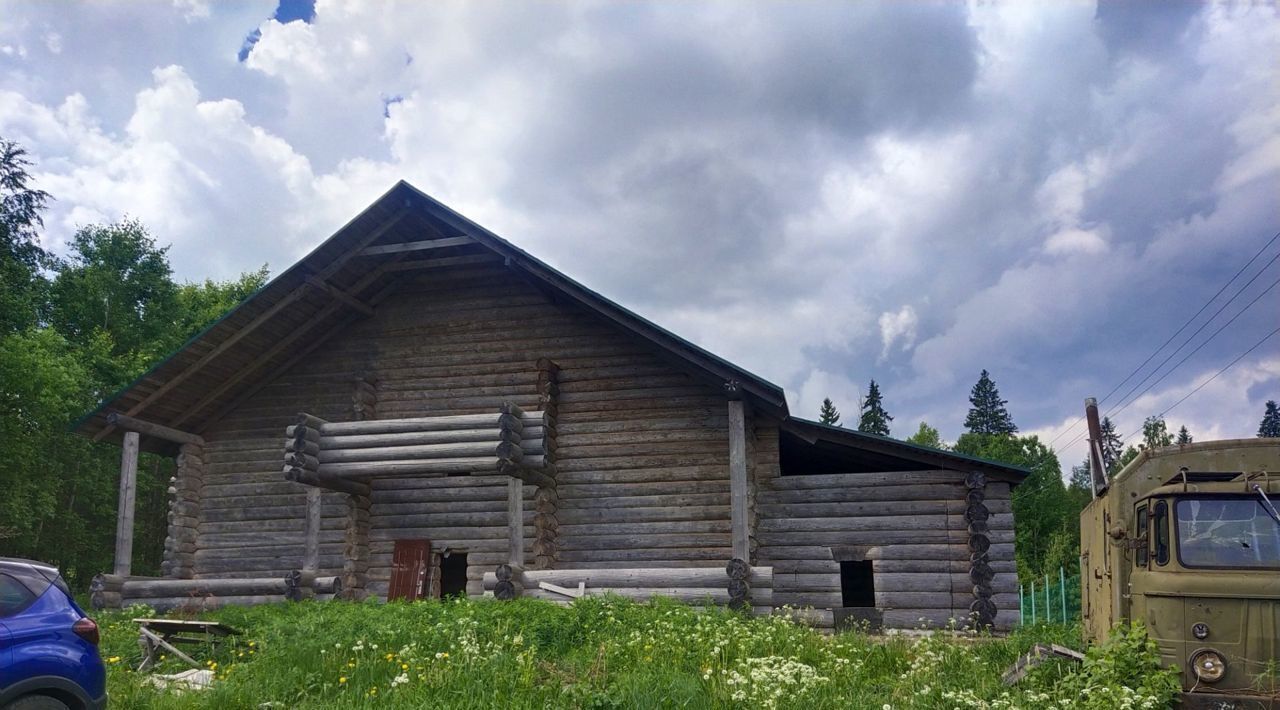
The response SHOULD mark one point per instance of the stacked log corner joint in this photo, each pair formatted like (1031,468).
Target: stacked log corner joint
(982,610)
(184,513)
(547,499)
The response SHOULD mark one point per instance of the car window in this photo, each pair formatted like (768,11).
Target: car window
(14,596)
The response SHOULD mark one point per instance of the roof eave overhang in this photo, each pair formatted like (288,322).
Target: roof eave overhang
(814,432)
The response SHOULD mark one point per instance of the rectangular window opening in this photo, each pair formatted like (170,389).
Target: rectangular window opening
(857,584)
(453,575)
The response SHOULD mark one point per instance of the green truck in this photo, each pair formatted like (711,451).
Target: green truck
(1187,540)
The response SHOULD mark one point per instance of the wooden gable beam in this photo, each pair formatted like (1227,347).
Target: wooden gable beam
(340,295)
(275,350)
(341,326)
(128,423)
(237,335)
(417,246)
(443,262)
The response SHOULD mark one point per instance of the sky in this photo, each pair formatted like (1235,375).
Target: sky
(823,193)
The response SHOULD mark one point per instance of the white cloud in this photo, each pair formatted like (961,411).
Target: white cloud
(1075,241)
(897,329)
(193,10)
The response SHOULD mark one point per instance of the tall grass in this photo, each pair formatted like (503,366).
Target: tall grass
(605,653)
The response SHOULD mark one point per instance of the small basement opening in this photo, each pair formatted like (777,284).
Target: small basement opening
(453,575)
(857,584)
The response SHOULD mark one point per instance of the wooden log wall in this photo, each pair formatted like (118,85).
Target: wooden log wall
(185,489)
(912,526)
(641,447)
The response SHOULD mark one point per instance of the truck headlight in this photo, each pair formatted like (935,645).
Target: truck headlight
(1208,665)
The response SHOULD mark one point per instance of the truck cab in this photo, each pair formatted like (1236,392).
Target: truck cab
(1186,540)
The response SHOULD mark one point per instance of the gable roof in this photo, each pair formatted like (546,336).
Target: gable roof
(337,284)
(887,449)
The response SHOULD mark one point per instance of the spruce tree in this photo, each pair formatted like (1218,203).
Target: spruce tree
(1270,426)
(874,420)
(988,414)
(1184,436)
(1112,446)
(829,414)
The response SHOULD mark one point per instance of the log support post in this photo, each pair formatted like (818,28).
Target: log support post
(184,512)
(128,491)
(515,522)
(355,558)
(311,549)
(739,493)
(547,499)
(982,610)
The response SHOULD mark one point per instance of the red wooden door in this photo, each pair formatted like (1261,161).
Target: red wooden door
(409,562)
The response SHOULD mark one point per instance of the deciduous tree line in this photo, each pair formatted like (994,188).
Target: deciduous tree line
(74,330)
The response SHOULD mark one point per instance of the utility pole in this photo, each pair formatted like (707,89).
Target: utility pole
(1097,467)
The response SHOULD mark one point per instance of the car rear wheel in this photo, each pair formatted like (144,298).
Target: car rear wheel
(36,702)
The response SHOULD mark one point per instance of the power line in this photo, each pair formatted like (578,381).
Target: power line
(1203,325)
(1201,345)
(1197,349)
(1201,386)
(1175,334)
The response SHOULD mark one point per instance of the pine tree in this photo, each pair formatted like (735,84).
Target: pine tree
(988,414)
(1155,433)
(874,420)
(829,414)
(1270,426)
(1112,446)
(1184,436)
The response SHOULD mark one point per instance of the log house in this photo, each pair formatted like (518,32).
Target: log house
(419,408)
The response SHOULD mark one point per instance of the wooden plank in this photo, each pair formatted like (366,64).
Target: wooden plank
(738,485)
(128,492)
(422,245)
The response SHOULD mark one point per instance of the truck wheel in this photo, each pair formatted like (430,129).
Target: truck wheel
(36,702)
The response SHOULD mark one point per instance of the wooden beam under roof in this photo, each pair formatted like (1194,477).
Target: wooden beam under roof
(127,423)
(417,246)
(443,262)
(276,349)
(339,327)
(340,295)
(240,333)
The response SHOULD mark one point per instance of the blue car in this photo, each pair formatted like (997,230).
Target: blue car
(48,648)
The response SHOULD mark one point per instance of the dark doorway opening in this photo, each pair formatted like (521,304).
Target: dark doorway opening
(453,575)
(857,585)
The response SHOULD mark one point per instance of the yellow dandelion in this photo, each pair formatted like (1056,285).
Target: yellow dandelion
(404,666)
(113,659)
(342,679)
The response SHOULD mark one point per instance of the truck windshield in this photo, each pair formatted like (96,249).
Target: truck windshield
(1227,532)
